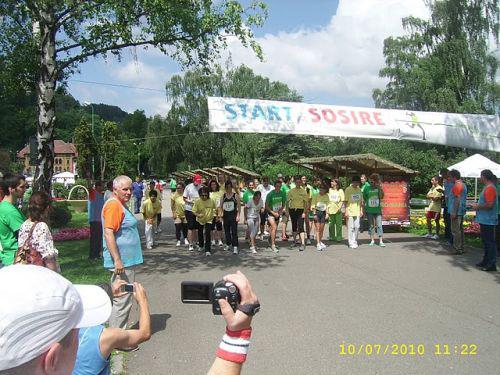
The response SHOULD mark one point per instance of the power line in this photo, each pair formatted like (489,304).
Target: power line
(116,85)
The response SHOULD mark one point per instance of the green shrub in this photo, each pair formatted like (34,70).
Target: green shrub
(60,191)
(60,215)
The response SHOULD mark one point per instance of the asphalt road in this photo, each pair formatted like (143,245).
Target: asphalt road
(412,292)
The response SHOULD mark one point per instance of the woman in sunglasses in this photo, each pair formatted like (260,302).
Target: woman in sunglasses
(204,210)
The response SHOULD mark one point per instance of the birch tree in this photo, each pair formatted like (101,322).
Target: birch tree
(58,35)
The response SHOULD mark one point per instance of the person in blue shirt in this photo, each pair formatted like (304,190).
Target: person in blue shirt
(96,343)
(138,192)
(94,208)
(448,185)
(456,207)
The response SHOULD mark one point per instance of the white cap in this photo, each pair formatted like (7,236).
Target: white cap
(39,307)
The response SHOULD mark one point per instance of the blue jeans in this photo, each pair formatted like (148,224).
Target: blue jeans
(377,218)
(489,245)
(137,204)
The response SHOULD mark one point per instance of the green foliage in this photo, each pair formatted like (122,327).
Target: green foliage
(86,147)
(60,191)
(444,64)
(76,266)
(108,149)
(60,215)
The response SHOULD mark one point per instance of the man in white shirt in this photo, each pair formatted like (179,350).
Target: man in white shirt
(264,188)
(190,196)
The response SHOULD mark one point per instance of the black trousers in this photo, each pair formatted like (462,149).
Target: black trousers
(95,251)
(497,235)
(447,225)
(205,239)
(181,228)
(231,230)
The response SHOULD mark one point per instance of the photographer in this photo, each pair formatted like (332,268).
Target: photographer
(96,343)
(232,351)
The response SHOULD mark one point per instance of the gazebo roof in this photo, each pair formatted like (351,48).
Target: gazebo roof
(353,164)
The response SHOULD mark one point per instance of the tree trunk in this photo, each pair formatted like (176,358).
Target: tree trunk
(46,101)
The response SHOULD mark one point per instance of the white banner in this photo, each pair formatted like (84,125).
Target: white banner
(481,132)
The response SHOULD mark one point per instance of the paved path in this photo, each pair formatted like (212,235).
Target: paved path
(411,292)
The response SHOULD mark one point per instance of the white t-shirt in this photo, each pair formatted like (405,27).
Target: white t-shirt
(253,210)
(264,191)
(191,193)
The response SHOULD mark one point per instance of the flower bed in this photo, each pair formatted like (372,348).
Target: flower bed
(471,227)
(71,234)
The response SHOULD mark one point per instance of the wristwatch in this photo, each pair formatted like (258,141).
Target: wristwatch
(249,308)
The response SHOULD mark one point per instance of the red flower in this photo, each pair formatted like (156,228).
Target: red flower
(71,234)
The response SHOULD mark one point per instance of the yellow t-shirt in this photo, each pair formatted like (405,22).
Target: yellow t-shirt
(150,209)
(297,198)
(216,196)
(206,208)
(336,199)
(435,206)
(177,202)
(320,202)
(353,199)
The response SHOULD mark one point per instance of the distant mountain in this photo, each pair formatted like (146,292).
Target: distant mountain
(107,112)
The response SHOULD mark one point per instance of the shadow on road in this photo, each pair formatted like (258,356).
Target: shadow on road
(159,322)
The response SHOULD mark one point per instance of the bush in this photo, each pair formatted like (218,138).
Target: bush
(60,191)
(60,215)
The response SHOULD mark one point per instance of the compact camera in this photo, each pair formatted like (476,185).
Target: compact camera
(202,292)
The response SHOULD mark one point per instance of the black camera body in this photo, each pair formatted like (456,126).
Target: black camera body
(197,292)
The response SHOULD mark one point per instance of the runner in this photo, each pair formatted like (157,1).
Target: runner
(265,189)
(354,210)
(319,206)
(275,204)
(363,221)
(435,195)
(298,205)
(230,209)
(316,183)
(190,196)
(204,210)
(252,217)
(173,185)
(308,189)
(285,188)
(180,222)
(216,196)
(335,209)
(247,196)
(155,186)
(372,196)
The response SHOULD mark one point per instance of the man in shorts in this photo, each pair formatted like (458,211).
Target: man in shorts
(275,204)
(435,195)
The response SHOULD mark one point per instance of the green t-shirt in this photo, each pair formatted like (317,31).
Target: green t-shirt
(371,197)
(284,188)
(276,200)
(365,186)
(173,184)
(11,220)
(247,195)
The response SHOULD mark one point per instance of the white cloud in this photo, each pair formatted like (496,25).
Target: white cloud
(341,59)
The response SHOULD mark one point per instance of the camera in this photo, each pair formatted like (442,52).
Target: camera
(201,292)
(128,288)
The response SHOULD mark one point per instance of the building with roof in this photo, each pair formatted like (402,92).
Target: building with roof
(64,158)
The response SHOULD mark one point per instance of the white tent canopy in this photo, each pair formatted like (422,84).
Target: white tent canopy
(64,178)
(473,165)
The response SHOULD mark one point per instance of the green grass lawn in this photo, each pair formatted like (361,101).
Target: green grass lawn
(76,266)
(78,220)
(469,240)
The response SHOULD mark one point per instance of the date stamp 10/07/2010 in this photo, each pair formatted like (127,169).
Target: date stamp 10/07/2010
(407,350)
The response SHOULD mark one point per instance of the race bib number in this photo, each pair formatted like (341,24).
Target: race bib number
(228,206)
(334,197)
(356,197)
(276,207)
(321,206)
(373,202)
(217,202)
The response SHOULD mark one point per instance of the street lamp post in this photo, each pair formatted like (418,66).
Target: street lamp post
(138,159)
(92,120)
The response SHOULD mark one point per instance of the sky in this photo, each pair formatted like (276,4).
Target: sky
(329,51)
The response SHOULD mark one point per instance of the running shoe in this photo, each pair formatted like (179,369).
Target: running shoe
(221,243)
(302,248)
(186,242)
(253,250)
(158,230)
(213,242)
(198,247)
(274,249)
(226,248)
(318,247)
(381,244)
(149,247)
(235,250)
(435,237)
(355,246)
(190,248)
(208,253)
(372,243)
(323,245)
(266,233)
(178,244)
(308,241)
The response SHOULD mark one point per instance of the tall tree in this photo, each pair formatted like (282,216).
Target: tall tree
(108,149)
(86,147)
(56,36)
(444,64)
